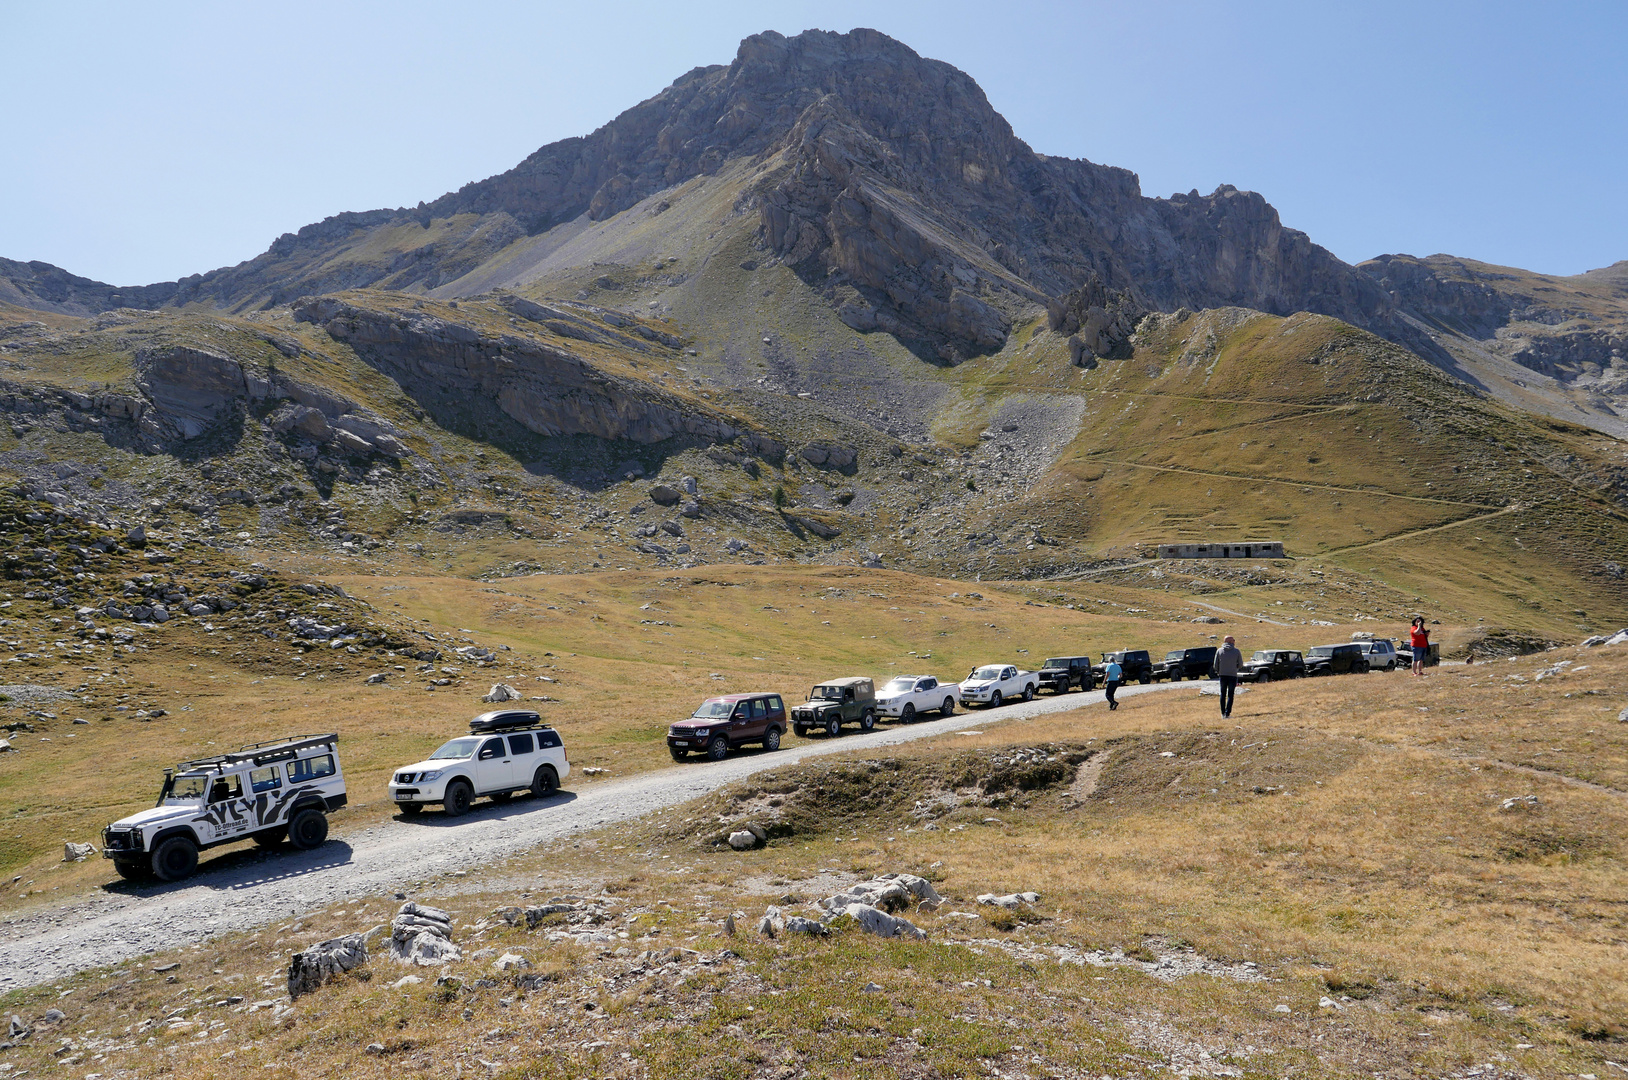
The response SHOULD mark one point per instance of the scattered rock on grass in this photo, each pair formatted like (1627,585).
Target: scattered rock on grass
(1010,901)
(72,852)
(310,969)
(501,692)
(1519,803)
(876,921)
(889,892)
(422,935)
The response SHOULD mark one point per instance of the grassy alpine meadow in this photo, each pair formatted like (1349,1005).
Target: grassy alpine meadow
(610,659)
(1357,875)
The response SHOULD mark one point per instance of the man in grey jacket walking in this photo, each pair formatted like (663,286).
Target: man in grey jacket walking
(1227,662)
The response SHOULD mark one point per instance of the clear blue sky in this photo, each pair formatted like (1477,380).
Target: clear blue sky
(143,142)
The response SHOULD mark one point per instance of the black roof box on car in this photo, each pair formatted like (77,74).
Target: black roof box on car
(503,719)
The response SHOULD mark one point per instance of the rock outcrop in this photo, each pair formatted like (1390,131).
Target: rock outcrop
(464,377)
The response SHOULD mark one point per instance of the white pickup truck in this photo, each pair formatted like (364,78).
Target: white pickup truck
(908,696)
(993,684)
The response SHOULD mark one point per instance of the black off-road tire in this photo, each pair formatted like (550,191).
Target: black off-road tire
(1145,678)
(458,798)
(867,720)
(174,859)
(802,732)
(1028,693)
(1264,677)
(411,809)
(132,871)
(1391,666)
(545,781)
(948,708)
(833,726)
(995,700)
(308,828)
(771,741)
(270,838)
(907,715)
(678,754)
(717,748)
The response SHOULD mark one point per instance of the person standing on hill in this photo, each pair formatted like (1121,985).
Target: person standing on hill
(1113,675)
(1228,660)
(1420,638)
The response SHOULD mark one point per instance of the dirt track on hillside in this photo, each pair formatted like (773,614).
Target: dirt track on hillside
(246,887)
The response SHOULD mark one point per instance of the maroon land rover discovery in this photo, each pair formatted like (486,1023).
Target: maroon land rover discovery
(731,720)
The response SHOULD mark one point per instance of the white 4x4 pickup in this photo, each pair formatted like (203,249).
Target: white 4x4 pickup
(504,752)
(908,696)
(993,684)
(267,791)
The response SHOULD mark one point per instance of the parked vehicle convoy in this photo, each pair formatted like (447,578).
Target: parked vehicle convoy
(268,791)
(1134,665)
(836,702)
(1059,673)
(1180,664)
(1381,654)
(505,751)
(1269,665)
(1346,659)
(994,684)
(908,696)
(721,724)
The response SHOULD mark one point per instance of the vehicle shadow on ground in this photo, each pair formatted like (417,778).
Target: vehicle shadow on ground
(486,810)
(245,868)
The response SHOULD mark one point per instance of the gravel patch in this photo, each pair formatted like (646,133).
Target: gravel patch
(28,694)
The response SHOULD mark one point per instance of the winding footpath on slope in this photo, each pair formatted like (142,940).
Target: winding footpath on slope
(246,888)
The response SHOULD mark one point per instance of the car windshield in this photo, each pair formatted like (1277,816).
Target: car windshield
(1264,655)
(900,685)
(1173,655)
(456,750)
(988,671)
(825,693)
(714,709)
(1322,650)
(1057,661)
(188,789)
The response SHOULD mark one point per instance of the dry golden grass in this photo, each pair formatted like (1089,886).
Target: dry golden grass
(1325,833)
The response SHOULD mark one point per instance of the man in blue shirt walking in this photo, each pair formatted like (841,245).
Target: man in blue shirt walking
(1113,674)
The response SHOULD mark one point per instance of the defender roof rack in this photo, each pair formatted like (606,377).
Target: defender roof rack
(262,753)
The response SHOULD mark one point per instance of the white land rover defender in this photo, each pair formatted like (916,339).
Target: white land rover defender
(505,751)
(268,791)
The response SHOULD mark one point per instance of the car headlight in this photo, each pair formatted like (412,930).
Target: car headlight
(427,777)
(702,732)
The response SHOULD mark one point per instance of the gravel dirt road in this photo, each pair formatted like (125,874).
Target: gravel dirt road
(245,887)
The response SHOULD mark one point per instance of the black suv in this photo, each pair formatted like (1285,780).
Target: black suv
(1269,664)
(1180,664)
(1060,673)
(1134,664)
(1336,660)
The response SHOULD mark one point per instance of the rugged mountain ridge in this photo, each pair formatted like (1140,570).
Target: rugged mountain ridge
(892,170)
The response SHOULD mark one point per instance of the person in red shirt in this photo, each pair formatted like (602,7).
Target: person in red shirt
(1420,638)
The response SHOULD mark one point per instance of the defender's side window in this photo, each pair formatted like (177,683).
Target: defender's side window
(226,787)
(308,769)
(266,779)
(520,744)
(492,748)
